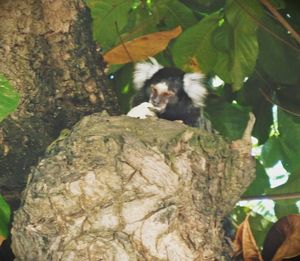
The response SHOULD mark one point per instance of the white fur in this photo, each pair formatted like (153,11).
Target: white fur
(194,88)
(144,71)
(142,111)
(161,87)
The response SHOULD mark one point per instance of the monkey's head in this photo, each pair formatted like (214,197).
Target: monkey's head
(168,86)
(161,95)
(165,87)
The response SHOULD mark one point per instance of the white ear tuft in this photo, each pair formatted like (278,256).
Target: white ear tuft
(194,88)
(144,71)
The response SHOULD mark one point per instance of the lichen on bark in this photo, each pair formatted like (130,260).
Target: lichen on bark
(119,188)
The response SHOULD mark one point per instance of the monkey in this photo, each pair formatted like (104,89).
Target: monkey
(167,92)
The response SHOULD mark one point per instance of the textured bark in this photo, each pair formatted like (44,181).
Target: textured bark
(47,53)
(119,188)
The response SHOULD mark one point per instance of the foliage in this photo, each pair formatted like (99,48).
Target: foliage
(9,98)
(4,219)
(242,43)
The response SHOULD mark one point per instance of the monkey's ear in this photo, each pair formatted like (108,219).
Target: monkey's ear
(144,71)
(194,87)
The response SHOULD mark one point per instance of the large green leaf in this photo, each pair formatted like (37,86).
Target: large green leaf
(291,186)
(9,98)
(228,48)
(261,182)
(259,227)
(204,6)
(250,95)
(109,18)
(121,84)
(286,146)
(221,38)
(4,217)
(239,15)
(229,119)
(141,21)
(289,129)
(271,152)
(285,207)
(277,58)
(173,13)
(196,43)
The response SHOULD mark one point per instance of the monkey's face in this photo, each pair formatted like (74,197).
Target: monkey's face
(161,96)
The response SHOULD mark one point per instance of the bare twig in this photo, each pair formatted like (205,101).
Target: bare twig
(281,20)
(273,197)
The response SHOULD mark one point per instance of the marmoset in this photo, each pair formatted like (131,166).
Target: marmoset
(168,92)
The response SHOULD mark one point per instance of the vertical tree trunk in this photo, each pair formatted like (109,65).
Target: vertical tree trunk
(48,55)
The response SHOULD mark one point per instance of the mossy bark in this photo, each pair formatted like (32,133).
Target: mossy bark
(119,188)
(48,55)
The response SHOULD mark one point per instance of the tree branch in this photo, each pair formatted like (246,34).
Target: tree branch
(281,20)
(273,197)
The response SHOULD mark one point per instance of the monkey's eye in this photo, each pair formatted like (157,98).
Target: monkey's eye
(154,90)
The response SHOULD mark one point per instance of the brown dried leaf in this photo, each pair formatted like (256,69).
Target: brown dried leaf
(283,239)
(244,242)
(141,48)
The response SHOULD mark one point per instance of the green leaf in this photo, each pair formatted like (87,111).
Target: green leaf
(289,129)
(228,48)
(271,152)
(244,43)
(221,38)
(285,207)
(286,146)
(259,227)
(292,8)
(9,98)
(204,6)
(141,21)
(229,119)
(280,61)
(196,43)
(291,186)
(278,4)
(173,13)
(4,217)
(261,183)
(250,95)
(122,87)
(109,18)
(239,14)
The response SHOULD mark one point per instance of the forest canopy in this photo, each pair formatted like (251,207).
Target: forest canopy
(249,52)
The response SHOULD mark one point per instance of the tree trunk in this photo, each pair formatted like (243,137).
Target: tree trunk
(119,188)
(48,55)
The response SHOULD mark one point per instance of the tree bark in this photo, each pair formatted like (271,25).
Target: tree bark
(48,55)
(120,188)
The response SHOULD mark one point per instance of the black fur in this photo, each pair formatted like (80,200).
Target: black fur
(183,109)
